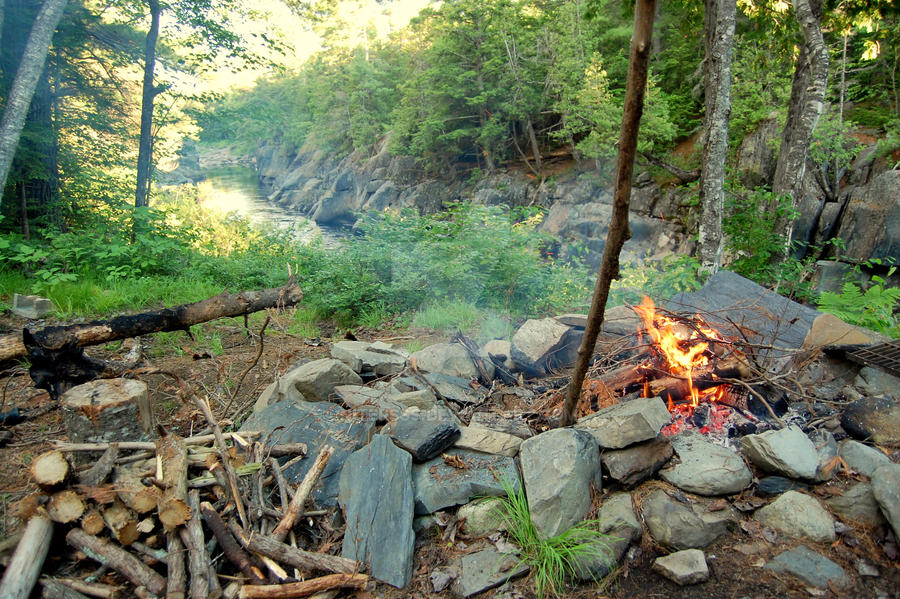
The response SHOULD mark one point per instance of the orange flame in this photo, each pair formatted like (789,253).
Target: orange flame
(680,345)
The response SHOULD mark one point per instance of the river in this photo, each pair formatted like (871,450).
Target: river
(235,189)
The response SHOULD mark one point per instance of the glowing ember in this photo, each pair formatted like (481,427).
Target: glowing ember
(684,347)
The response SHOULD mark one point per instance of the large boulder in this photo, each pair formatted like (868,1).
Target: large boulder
(886,488)
(370,359)
(538,344)
(376,495)
(558,467)
(451,359)
(786,451)
(870,225)
(425,433)
(443,482)
(316,380)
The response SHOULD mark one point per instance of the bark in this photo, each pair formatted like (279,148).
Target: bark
(307,587)
(145,146)
(118,559)
(55,590)
(230,547)
(97,473)
(618,226)
(177,318)
(26,563)
(94,589)
(198,559)
(297,558)
(719,20)
(176,575)
(172,470)
(25,82)
(806,105)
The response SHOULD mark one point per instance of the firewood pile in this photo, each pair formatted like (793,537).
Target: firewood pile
(203,516)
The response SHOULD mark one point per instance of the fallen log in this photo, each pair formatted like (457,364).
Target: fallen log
(290,590)
(297,558)
(177,318)
(55,590)
(26,563)
(118,559)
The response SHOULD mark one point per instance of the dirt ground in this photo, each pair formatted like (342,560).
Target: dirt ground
(212,364)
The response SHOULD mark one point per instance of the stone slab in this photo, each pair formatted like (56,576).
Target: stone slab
(622,424)
(439,484)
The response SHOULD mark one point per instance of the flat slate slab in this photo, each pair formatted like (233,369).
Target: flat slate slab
(626,423)
(763,315)
(376,495)
(425,433)
(706,468)
(439,484)
(886,488)
(635,464)
(317,424)
(787,451)
(812,568)
(485,570)
(862,458)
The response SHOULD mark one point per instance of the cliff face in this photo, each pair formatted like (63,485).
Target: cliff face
(328,189)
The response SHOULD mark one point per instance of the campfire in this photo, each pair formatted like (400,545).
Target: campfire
(695,369)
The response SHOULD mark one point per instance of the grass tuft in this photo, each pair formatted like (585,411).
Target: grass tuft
(552,560)
(448,315)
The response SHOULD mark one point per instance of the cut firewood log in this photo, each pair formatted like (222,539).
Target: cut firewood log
(92,522)
(230,547)
(624,376)
(93,589)
(118,559)
(136,495)
(26,563)
(26,507)
(103,495)
(198,559)
(121,522)
(176,575)
(147,525)
(96,474)
(55,590)
(113,409)
(50,469)
(172,468)
(306,588)
(65,506)
(297,558)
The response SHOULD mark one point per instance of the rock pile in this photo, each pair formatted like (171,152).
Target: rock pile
(422,444)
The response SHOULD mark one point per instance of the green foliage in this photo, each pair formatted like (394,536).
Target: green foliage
(551,560)
(752,242)
(448,316)
(662,279)
(875,308)
(833,147)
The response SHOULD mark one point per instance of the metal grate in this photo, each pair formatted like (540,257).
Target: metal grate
(884,355)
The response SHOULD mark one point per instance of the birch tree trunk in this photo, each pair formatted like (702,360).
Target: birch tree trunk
(719,24)
(25,82)
(806,105)
(145,146)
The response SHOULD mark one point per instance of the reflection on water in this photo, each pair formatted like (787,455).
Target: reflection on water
(235,189)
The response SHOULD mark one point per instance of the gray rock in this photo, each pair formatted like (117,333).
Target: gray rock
(501,349)
(423,399)
(858,504)
(558,467)
(316,424)
(451,387)
(862,458)
(730,300)
(536,343)
(513,425)
(876,419)
(706,468)
(826,450)
(798,516)
(626,423)
(376,496)
(32,307)
(485,570)
(579,321)
(871,221)
(480,517)
(425,434)
(485,440)
(439,485)
(683,567)
(776,485)
(635,464)
(355,396)
(451,359)
(786,451)
(602,557)
(316,380)
(875,381)
(886,488)
(812,568)
(679,526)
(442,577)
(617,514)
(621,320)
(370,359)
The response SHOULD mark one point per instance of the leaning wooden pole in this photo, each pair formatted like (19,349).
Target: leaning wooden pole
(644,12)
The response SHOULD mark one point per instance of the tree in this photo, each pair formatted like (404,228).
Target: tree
(150,91)
(719,24)
(26,80)
(806,106)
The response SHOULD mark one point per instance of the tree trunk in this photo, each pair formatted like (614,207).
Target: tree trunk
(635,87)
(25,82)
(719,22)
(145,147)
(806,105)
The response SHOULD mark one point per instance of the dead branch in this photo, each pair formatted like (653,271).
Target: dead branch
(304,560)
(26,563)
(307,587)
(255,361)
(198,559)
(296,506)
(118,559)
(229,546)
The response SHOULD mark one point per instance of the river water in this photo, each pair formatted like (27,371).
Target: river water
(235,189)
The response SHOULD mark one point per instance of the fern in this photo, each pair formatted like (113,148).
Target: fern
(873,309)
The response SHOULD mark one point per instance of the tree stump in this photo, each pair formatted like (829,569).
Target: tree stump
(108,410)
